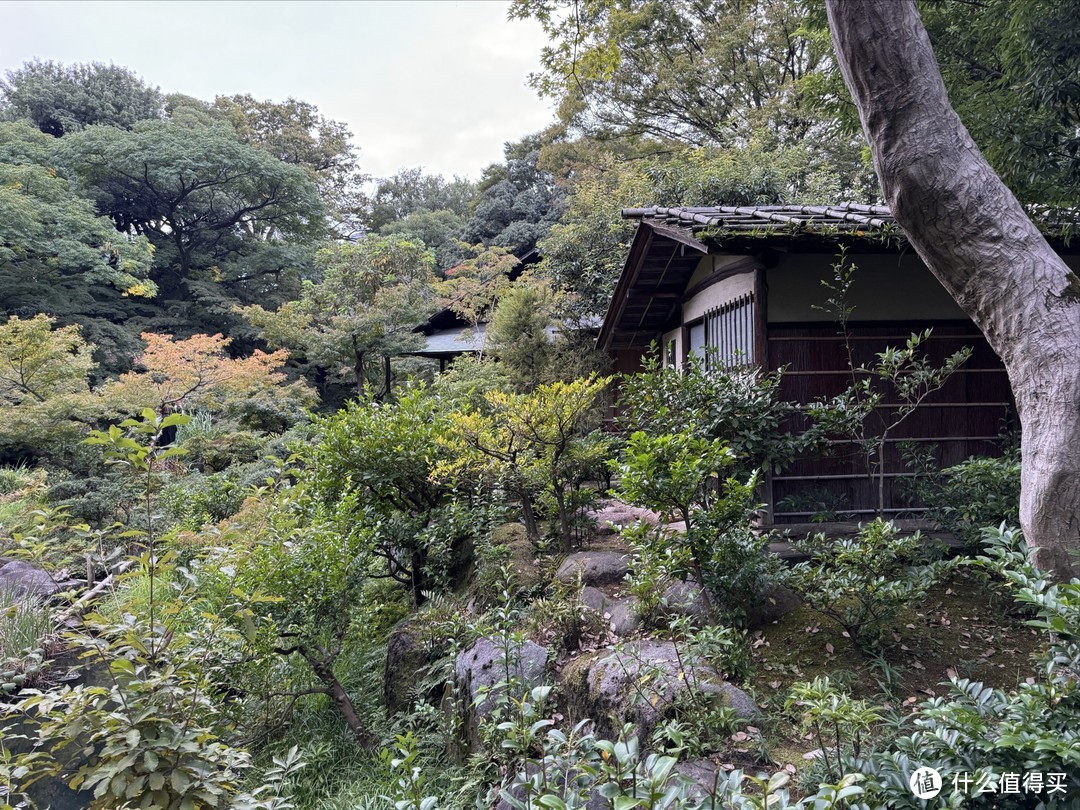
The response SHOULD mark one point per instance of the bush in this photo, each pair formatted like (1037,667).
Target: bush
(986,732)
(742,406)
(863,583)
(686,477)
(968,497)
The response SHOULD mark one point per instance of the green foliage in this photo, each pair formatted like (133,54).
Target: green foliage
(383,457)
(988,732)
(601,52)
(59,99)
(54,248)
(1011,70)
(656,558)
(540,444)
(517,201)
(865,582)
(969,496)
(26,624)
(370,296)
(741,406)
(518,337)
(687,477)
(565,769)
(151,731)
(561,620)
(840,724)
(697,720)
(294,132)
(43,380)
(410,191)
(229,222)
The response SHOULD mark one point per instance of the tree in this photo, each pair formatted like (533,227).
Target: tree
(201,197)
(59,99)
(294,132)
(517,202)
(56,254)
(1012,74)
(518,334)
(701,73)
(378,461)
(197,373)
(43,381)
(532,445)
(411,191)
(371,296)
(472,287)
(976,238)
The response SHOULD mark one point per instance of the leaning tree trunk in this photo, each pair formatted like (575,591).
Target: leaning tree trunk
(975,237)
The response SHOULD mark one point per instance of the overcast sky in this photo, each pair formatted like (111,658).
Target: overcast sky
(439,83)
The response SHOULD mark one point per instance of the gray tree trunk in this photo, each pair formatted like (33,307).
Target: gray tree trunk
(974,236)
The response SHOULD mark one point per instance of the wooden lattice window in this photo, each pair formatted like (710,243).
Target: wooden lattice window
(729,330)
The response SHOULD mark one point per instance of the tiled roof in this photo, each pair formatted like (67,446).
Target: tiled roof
(808,219)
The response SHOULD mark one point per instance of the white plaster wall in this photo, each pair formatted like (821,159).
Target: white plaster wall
(716,294)
(677,336)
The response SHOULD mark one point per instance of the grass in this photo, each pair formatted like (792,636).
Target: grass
(25,624)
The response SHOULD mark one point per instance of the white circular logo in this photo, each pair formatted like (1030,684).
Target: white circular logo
(925,783)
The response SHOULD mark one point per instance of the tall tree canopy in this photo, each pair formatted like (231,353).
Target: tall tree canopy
(1013,74)
(976,238)
(296,133)
(703,72)
(221,214)
(59,99)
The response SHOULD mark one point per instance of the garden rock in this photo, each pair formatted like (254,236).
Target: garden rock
(616,513)
(607,687)
(621,614)
(624,616)
(773,603)
(481,667)
(594,567)
(703,773)
(512,536)
(408,654)
(687,599)
(23,579)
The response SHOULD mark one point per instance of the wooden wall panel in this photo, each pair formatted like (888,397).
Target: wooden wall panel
(963,419)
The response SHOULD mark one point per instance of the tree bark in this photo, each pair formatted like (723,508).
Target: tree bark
(977,240)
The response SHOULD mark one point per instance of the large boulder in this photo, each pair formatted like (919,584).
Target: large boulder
(21,578)
(616,514)
(687,599)
(481,674)
(639,683)
(409,653)
(594,568)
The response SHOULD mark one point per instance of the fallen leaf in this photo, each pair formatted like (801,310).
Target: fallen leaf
(829,648)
